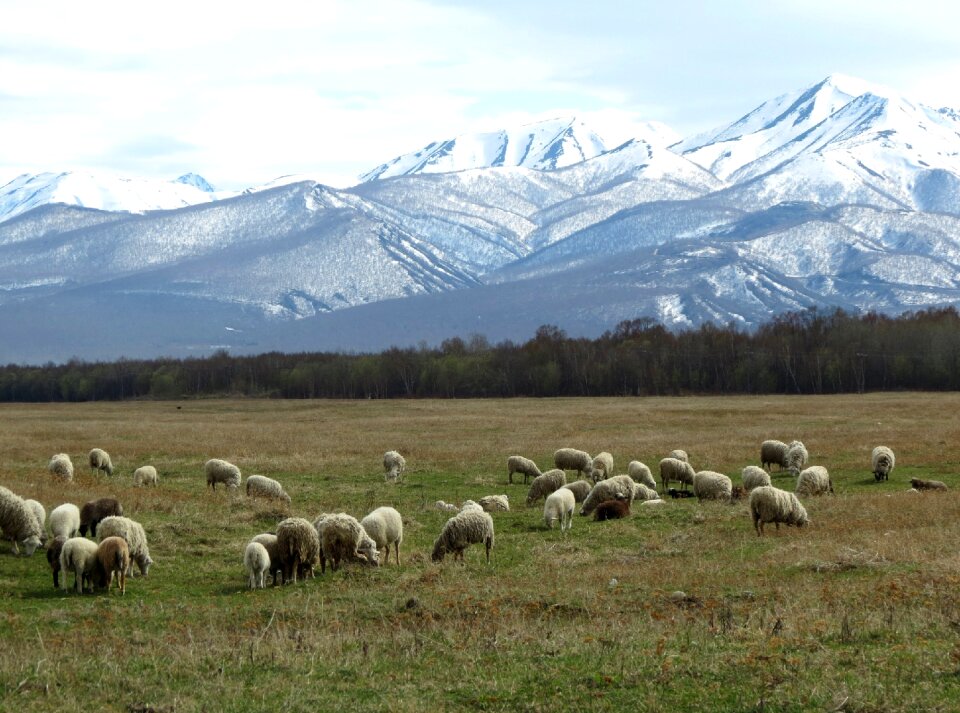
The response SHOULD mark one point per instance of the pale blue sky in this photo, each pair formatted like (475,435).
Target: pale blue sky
(244,92)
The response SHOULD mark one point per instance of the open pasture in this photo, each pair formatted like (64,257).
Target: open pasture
(858,612)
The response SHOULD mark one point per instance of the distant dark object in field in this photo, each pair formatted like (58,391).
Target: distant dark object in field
(674,493)
(612,510)
(921,484)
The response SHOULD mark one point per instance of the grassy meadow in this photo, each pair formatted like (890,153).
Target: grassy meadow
(858,612)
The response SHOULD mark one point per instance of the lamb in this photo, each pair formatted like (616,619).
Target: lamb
(773,452)
(796,457)
(79,555)
(343,538)
(602,466)
(100,460)
(495,503)
(770,504)
(61,466)
(53,558)
(19,523)
(558,507)
(260,486)
(644,493)
(921,484)
(519,464)
(393,465)
(470,505)
(134,535)
(385,527)
(257,561)
(572,459)
(298,548)
(221,471)
(675,469)
(269,541)
(710,485)
(545,484)
(754,476)
(114,556)
(619,487)
(612,510)
(641,473)
(462,530)
(883,461)
(815,480)
(65,521)
(445,507)
(580,489)
(145,475)
(94,511)
(679,455)
(37,509)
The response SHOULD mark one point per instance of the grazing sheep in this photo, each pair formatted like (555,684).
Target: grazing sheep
(37,509)
(298,548)
(470,505)
(641,473)
(495,503)
(114,556)
(675,469)
(773,453)
(79,555)
(343,538)
(619,487)
(612,510)
(260,486)
(814,480)
(519,464)
(385,527)
(94,511)
(754,476)
(269,541)
(100,460)
(61,466)
(393,466)
(19,523)
(770,504)
(545,484)
(257,561)
(445,507)
(462,530)
(145,475)
(54,548)
(921,484)
(679,455)
(883,461)
(134,535)
(572,459)
(602,466)
(558,507)
(710,485)
(65,521)
(796,457)
(221,471)
(644,492)
(580,489)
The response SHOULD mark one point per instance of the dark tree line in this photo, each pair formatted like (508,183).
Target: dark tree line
(801,353)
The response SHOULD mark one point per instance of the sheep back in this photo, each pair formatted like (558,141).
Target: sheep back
(572,459)
(882,460)
(675,469)
(100,460)
(94,511)
(61,466)
(342,538)
(260,486)
(580,489)
(612,510)
(641,473)
(679,454)
(65,520)
(114,557)
(495,503)
(602,466)
(519,464)
(221,471)
(773,452)
(298,547)
(754,476)
(393,466)
(145,475)
(710,485)
(385,527)
(559,506)
(545,484)
(78,555)
(464,529)
(134,535)
(619,487)
(18,522)
(796,457)
(770,504)
(256,559)
(814,480)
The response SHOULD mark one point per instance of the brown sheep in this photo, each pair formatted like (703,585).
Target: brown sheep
(96,510)
(921,484)
(53,558)
(114,557)
(612,510)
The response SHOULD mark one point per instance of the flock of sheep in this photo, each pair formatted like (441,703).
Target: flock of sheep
(291,552)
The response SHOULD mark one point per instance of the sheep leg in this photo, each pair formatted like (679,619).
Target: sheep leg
(396,552)
(489,544)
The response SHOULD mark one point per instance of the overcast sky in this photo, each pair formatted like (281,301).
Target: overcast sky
(244,92)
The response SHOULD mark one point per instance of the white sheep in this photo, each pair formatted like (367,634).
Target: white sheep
(61,466)
(257,561)
(641,473)
(602,466)
(460,531)
(145,475)
(545,484)
(495,503)
(260,486)
(559,507)
(342,538)
(572,459)
(445,506)
(770,504)
(39,512)
(754,476)
(133,534)
(644,492)
(675,469)
(385,527)
(269,541)
(679,454)
(470,505)
(298,548)
(100,460)
(882,460)
(221,471)
(79,555)
(393,466)
(710,485)
(19,523)
(580,489)
(814,480)
(65,521)
(619,487)
(796,457)
(519,464)
(773,452)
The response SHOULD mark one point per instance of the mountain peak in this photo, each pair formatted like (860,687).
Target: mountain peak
(197,181)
